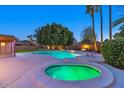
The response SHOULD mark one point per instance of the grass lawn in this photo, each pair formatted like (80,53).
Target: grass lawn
(31,50)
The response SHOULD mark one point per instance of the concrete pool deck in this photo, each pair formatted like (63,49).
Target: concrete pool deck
(19,71)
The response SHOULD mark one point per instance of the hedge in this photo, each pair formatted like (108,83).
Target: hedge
(113,52)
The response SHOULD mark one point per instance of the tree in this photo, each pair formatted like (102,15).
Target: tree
(119,34)
(110,23)
(53,34)
(87,35)
(101,25)
(30,38)
(106,40)
(91,9)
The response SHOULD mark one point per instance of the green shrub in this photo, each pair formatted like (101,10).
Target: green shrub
(113,52)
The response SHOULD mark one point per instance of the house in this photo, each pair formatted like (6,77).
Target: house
(7,45)
(87,45)
(25,45)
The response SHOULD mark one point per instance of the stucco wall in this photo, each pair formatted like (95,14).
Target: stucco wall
(6,49)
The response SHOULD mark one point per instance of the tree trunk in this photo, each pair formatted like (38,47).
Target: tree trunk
(101,25)
(110,23)
(95,46)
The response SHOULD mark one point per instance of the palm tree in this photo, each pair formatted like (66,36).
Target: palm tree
(91,9)
(110,23)
(101,25)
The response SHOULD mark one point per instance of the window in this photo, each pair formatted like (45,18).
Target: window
(2,44)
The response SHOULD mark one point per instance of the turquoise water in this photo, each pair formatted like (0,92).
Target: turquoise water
(72,72)
(56,54)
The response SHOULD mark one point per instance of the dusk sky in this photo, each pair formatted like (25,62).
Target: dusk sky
(21,21)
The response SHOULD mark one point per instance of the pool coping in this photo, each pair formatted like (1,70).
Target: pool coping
(105,80)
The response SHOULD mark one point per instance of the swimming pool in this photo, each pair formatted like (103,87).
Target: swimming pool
(57,54)
(72,72)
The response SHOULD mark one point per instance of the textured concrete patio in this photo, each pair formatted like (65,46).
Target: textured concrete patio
(19,71)
(13,68)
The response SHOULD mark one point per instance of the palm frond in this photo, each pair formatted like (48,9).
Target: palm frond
(91,9)
(88,9)
(118,21)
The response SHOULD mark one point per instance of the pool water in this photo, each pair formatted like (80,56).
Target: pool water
(56,54)
(72,72)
